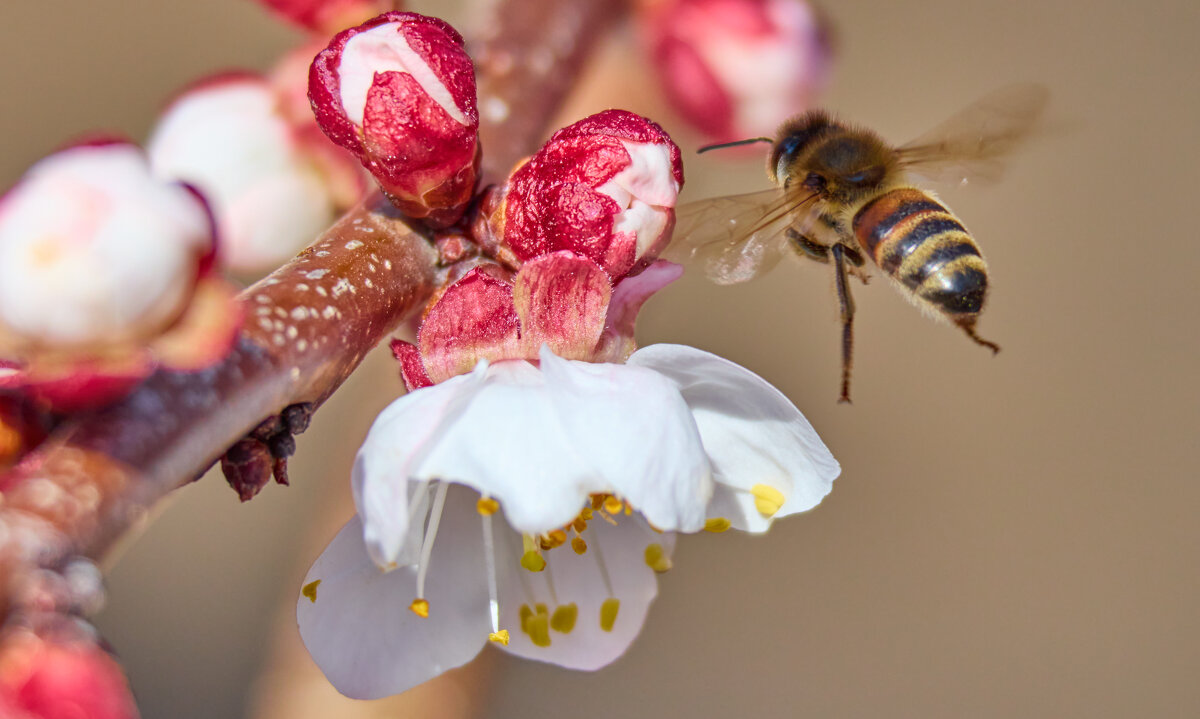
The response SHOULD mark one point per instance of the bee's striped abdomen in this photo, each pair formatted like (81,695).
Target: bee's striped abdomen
(920,243)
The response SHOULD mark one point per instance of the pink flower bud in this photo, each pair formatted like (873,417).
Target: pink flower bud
(737,68)
(95,250)
(104,273)
(60,678)
(399,92)
(604,187)
(326,16)
(228,137)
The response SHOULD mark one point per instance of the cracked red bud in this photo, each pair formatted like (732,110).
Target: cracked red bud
(604,187)
(271,188)
(399,92)
(737,68)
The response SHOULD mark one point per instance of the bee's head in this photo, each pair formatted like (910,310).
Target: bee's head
(845,165)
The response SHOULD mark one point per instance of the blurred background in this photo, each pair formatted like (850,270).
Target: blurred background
(1011,536)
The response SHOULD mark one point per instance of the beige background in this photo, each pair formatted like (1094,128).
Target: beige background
(1013,536)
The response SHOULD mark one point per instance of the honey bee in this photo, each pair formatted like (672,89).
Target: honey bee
(844,195)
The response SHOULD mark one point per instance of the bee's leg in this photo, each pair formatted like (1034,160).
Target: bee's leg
(807,247)
(856,262)
(847,305)
(968,325)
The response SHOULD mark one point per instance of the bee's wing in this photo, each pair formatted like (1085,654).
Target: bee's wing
(736,238)
(971,145)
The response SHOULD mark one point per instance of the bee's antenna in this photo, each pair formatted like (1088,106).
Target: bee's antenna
(735,143)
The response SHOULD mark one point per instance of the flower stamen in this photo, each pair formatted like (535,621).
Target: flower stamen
(420,606)
(563,619)
(716,525)
(767,499)
(532,558)
(657,559)
(489,555)
(610,607)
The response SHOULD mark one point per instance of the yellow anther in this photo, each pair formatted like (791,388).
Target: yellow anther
(580,524)
(500,637)
(716,525)
(539,629)
(563,619)
(420,607)
(540,608)
(612,505)
(579,545)
(533,561)
(608,613)
(487,507)
(586,515)
(598,500)
(657,559)
(310,590)
(767,500)
(557,538)
(628,509)
(526,614)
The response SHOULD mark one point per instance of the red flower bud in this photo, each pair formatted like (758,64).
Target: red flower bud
(399,92)
(604,187)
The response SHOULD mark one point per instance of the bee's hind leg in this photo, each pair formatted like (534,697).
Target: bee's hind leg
(846,302)
(967,324)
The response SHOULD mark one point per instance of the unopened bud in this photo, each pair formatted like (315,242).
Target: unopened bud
(399,92)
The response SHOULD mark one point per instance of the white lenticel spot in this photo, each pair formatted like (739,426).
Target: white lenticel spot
(353,244)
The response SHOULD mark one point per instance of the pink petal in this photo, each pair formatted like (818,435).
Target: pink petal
(628,296)
(562,299)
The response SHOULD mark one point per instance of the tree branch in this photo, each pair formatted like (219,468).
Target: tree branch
(308,325)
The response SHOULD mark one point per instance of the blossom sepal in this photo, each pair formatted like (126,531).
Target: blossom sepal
(398,91)
(604,187)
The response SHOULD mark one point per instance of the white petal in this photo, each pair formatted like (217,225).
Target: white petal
(752,433)
(385,49)
(539,441)
(578,579)
(402,435)
(359,629)
(632,427)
